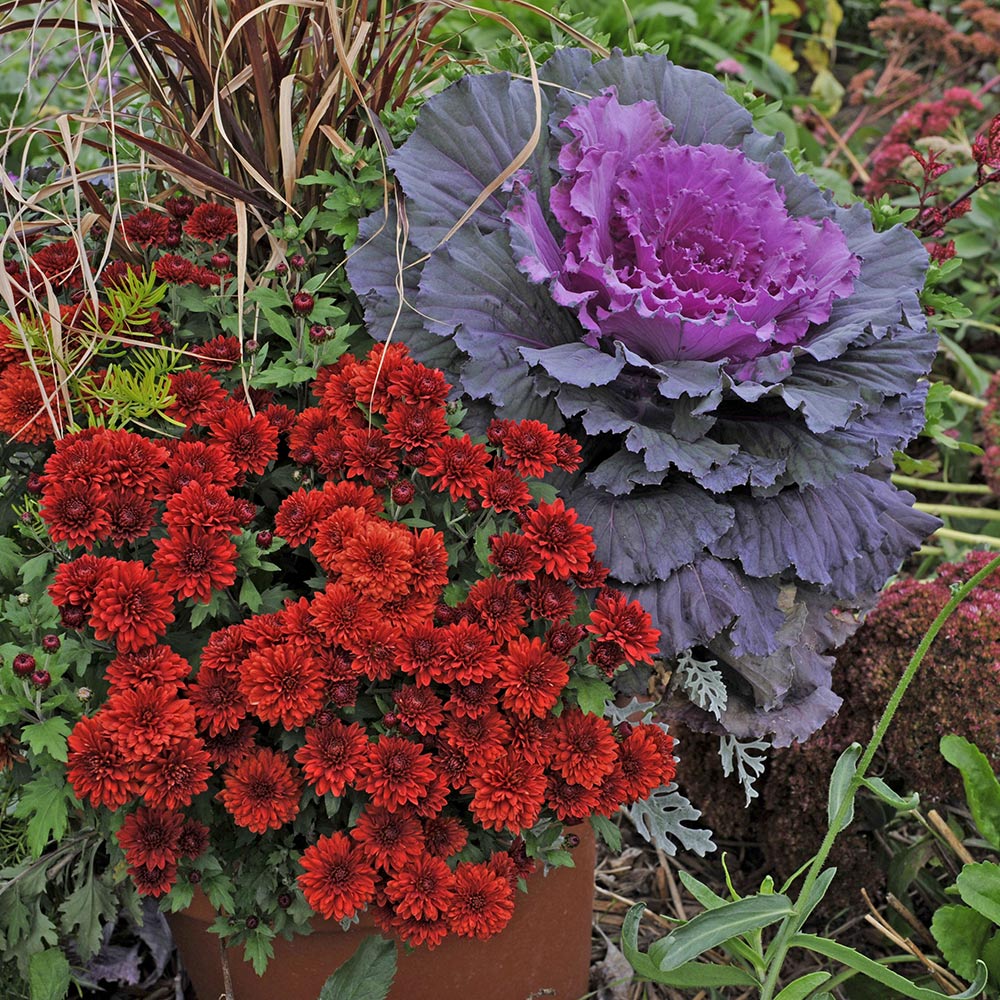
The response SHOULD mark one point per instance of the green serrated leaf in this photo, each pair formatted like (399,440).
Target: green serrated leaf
(46,802)
(961,933)
(250,595)
(592,694)
(48,736)
(258,949)
(982,790)
(366,975)
(82,912)
(48,975)
(717,927)
(11,558)
(35,568)
(608,832)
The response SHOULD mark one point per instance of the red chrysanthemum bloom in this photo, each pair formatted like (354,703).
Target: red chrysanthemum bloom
(195,394)
(395,773)
(95,766)
(569,455)
(193,562)
(564,546)
(60,262)
(218,700)
(80,458)
(193,841)
(261,791)
(338,879)
(332,755)
(481,738)
(472,700)
(209,508)
(429,561)
(389,839)
(145,719)
(411,426)
(341,614)
(458,466)
(131,516)
(332,532)
(418,709)
(131,606)
(571,803)
(626,622)
(530,447)
(498,606)
(300,515)
(532,678)
(533,738)
(146,228)
(422,652)
(195,461)
(370,380)
(249,441)
(153,881)
(152,665)
(471,654)
(225,650)
(444,836)
(75,582)
(482,902)
(422,890)
(369,455)
(22,412)
(505,490)
(414,608)
(415,383)
(509,793)
(176,775)
(549,599)
(174,269)
(221,353)
(514,556)
(76,513)
(377,560)
(282,685)
(585,748)
(149,837)
(231,745)
(641,764)
(211,222)
(375,651)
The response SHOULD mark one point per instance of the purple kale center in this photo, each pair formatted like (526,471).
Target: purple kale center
(678,252)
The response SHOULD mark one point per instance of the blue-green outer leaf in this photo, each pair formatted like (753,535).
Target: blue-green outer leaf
(840,784)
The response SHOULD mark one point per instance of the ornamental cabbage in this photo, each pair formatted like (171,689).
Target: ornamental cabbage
(738,355)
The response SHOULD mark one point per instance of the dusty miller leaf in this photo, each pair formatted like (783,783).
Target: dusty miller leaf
(660,818)
(704,685)
(748,760)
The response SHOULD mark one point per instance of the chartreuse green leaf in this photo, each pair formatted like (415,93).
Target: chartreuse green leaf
(716,927)
(873,970)
(48,975)
(840,785)
(979,887)
(800,988)
(366,975)
(982,790)
(691,974)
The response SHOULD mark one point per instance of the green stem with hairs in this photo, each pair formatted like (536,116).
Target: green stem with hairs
(953,510)
(793,923)
(967,537)
(935,485)
(966,400)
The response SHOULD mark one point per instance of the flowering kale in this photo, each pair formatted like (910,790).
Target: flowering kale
(738,355)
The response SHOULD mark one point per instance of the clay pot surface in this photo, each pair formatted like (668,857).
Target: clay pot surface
(545,947)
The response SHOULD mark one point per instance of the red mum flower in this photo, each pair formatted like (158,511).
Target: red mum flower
(471,654)
(217,700)
(482,903)
(341,614)
(146,719)
(395,773)
(532,678)
(564,546)
(195,394)
(231,745)
(550,599)
(444,836)
(514,556)
(211,222)
(249,441)
(617,619)
(131,516)
(79,458)
(299,516)
(146,228)
(195,461)
(509,793)
(368,454)
(130,606)
(193,562)
(60,262)
(133,461)
(220,354)
(481,738)
(149,837)
(281,685)
(422,890)
(338,879)
(568,453)
(458,466)
(75,582)
(498,606)
(193,840)
(415,425)
(95,766)
(389,839)
(370,379)
(585,748)
(261,791)
(414,383)
(209,508)
(377,560)
(76,513)
(173,269)
(530,447)
(472,700)
(418,709)
(571,803)
(351,494)
(152,665)
(429,561)
(422,652)
(331,534)
(225,650)
(153,881)
(375,651)
(414,608)
(332,755)
(505,491)
(22,410)
(174,777)
(641,764)
(533,738)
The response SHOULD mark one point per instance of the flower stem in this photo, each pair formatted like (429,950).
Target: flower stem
(966,400)
(935,485)
(954,510)
(792,924)
(967,537)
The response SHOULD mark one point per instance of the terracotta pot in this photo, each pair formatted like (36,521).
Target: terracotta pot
(544,950)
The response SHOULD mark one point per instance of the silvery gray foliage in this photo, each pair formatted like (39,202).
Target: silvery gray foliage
(738,395)
(747,759)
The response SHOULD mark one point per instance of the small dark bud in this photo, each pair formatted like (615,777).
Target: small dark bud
(252,922)
(245,511)
(41,679)
(172,240)
(623,730)
(34,483)
(317,333)
(324,718)
(73,616)
(51,643)
(571,840)
(390,719)
(250,346)
(297,261)
(403,492)
(220,261)
(302,303)
(194,877)
(281,270)
(181,207)
(24,664)
(285,900)
(264,539)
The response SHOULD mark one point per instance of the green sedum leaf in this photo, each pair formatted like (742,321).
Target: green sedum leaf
(366,975)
